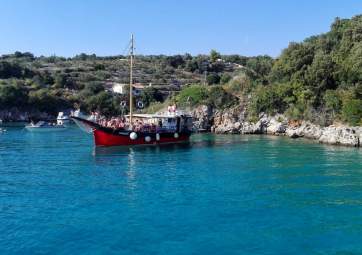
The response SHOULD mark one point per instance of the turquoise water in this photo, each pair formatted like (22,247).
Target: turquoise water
(217,195)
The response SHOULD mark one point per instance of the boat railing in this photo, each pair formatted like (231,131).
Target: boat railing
(175,113)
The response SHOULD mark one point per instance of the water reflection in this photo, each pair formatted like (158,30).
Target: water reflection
(198,141)
(126,150)
(131,170)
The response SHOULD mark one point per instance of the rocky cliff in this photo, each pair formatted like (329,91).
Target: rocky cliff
(234,121)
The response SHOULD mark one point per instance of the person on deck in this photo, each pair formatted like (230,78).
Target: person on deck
(173,108)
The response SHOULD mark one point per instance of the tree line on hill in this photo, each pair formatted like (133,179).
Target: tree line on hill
(51,84)
(318,79)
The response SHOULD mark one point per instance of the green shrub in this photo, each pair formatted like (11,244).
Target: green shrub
(103,102)
(156,107)
(225,78)
(271,99)
(192,95)
(214,96)
(213,79)
(240,84)
(352,111)
(332,100)
(13,96)
(294,112)
(151,94)
(45,100)
(60,81)
(93,88)
(219,98)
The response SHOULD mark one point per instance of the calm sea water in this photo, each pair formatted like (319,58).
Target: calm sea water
(217,195)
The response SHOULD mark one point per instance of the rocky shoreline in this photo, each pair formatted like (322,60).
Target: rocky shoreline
(234,121)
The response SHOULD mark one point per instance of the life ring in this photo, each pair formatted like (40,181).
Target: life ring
(147,139)
(140,104)
(123,104)
(133,136)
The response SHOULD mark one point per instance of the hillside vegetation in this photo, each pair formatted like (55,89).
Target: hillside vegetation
(319,79)
(54,83)
(50,84)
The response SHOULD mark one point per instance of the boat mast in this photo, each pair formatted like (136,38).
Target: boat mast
(131,81)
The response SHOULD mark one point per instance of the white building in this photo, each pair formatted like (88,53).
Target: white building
(121,88)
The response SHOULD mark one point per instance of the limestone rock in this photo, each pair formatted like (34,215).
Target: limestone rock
(227,121)
(202,117)
(340,135)
(249,128)
(305,129)
(311,131)
(276,125)
(234,120)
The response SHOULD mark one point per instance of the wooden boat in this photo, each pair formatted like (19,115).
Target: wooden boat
(169,129)
(172,127)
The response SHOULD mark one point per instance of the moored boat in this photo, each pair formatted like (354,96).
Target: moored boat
(155,129)
(137,129)
(43,126)
(63,119)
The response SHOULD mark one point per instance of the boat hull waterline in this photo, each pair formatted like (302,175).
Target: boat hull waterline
(116,137)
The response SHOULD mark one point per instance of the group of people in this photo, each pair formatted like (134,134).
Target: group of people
(114,122)
(123,123)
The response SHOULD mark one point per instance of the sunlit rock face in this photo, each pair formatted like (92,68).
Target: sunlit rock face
(235,121)
(305,129)
(340,135)
(202,117)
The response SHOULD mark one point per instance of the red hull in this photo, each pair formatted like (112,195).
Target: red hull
(102,138)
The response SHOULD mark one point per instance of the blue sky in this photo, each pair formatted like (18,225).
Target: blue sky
(103,27)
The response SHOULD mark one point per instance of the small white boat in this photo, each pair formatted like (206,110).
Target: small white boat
(43,126)
(62,119)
